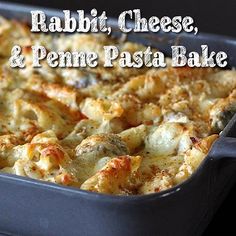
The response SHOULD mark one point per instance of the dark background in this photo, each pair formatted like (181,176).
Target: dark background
(211,16)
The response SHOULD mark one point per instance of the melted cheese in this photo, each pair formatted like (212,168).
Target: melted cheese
(115,131)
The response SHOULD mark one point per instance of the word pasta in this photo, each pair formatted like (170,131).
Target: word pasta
(137,59)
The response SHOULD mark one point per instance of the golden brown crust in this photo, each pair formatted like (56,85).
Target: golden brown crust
(115,131)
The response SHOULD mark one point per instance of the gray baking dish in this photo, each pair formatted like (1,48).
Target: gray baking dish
(31,207)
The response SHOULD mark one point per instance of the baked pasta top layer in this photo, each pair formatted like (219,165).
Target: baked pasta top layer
(114,131)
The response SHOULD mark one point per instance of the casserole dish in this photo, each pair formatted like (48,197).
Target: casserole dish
(48,209)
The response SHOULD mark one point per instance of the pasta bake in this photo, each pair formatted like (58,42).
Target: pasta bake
(120,131)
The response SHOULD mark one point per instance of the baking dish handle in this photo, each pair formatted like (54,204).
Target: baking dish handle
(224,147)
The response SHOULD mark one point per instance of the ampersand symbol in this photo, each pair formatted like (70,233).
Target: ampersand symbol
(16,59)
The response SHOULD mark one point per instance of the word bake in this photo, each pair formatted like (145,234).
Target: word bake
(125,59)
(112,53)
